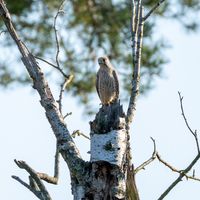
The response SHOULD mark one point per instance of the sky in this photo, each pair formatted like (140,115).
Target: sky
(26,135)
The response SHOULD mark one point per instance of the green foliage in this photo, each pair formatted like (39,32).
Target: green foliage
(88,29)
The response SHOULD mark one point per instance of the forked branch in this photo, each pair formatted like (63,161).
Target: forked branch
(66,144)
(38,187)
(52,179)
(137,35)
(175,169)
(137,24)
(62,89)
(150,160)
(184,172)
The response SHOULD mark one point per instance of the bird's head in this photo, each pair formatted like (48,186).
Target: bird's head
(104,61)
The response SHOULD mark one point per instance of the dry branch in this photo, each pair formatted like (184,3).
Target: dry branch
(153,10)
(56,32)
(194,133)
(62,89)
(184,172)
(79,133)
(41,191)
(150,160)
(66,144)
(52,179)
(174,169)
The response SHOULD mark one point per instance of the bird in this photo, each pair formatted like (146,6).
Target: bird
(107,82)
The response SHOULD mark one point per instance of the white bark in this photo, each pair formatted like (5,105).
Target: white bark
(109,147)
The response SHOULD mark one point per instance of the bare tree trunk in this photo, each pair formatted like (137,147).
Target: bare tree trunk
(108,146)
(109,165)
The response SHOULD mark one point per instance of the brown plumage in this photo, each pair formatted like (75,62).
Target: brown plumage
(107,83)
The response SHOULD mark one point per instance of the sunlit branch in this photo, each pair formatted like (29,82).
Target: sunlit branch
(67,147)
(174,169)
(68,114)
(52,179)
(79,133)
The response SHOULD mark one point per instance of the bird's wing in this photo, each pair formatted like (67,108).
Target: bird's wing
(116,83)
(97,83)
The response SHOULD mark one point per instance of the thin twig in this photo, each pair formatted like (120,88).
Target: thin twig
(62,89)
(51,64)
(153,9)
(47,178)
(67,147)
(57,66)
(33,174)
(79,133)
(174,169)
(68,114)
(147,162)
(56,32)
(52,179)
(36,193)
(184,172)
(33,184)
(194,133)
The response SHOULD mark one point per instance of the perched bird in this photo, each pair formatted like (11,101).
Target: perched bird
(107,83)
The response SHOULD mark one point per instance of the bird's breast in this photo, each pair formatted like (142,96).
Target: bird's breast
(106,86)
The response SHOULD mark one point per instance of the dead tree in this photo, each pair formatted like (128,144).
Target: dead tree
(110,173)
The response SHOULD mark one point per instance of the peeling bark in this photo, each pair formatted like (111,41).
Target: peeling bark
(108,154)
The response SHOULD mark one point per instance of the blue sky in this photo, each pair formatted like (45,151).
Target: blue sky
(26,135)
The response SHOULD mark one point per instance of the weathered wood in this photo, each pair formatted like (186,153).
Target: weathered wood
(109,147)
(108,154)
(107,181)
(110,117)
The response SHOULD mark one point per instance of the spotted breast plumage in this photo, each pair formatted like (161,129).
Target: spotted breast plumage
(107,83)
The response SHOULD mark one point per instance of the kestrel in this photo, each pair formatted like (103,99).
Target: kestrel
(107,83)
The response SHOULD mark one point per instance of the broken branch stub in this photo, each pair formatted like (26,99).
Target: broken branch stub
(108,135)
(108,151)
